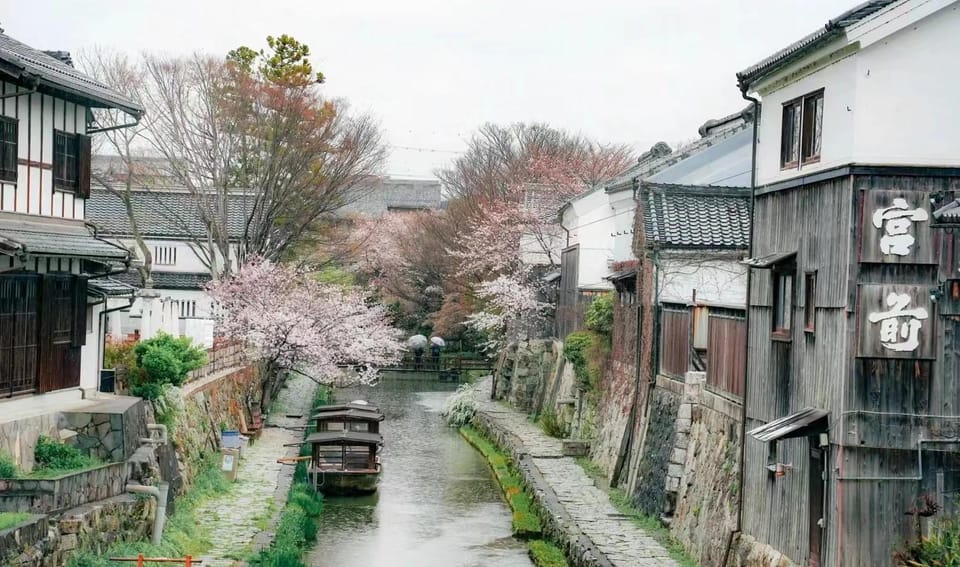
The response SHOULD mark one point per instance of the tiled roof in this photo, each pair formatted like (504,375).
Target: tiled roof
(159,214)
(660,157)
(832,29)
(695,216)
(111,287)
(22,234)
(29,64)
(167,280)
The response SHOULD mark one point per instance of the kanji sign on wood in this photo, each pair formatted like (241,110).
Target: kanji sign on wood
(896,321)
(895,228)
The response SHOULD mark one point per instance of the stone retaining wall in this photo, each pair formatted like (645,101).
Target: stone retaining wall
(558,526)
(43,542)
(64,492)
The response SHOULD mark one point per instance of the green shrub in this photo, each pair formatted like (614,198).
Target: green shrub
(164,359)
(581,349)
(552,425)
(119,353)
(599,317)
(8,468)
(460,407)
(940,549)
(53,457)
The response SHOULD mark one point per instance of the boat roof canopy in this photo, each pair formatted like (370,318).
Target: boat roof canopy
(344,438)
(352,405)
(351,414)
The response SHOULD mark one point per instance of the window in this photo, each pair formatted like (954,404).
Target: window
(71,163)
(801,131)
(8,149)
(782,300)
(809,301)
(165,255)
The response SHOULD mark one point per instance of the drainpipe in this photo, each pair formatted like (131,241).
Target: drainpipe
(160,512)
(102,334)
(746,364)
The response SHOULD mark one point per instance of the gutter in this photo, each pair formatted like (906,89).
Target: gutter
(746,361)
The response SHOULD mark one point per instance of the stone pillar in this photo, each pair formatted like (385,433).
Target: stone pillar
(693,383)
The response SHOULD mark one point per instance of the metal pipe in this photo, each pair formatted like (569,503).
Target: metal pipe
(160,512)
(918,476)
(746,321)
(162,440)
(116,126)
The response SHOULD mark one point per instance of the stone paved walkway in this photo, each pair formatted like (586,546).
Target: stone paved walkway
(235,519)
(615,536)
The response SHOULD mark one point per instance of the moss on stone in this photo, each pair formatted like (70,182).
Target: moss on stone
(545,554)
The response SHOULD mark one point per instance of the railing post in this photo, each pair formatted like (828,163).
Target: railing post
(140,560)
(188,562)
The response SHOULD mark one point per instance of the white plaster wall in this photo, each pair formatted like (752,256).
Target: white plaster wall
(188,259)
(891,103)
(199,328)
(90,353)
(592,220)
(715,281)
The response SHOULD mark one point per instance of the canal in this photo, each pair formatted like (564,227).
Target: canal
(437,505)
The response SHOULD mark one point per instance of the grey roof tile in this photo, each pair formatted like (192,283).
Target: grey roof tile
(160,214)
(111,287)
(167,280)
(832,29)
(695,216)
(54,73)
(22,234)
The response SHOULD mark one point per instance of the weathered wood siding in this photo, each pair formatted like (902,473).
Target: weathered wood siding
(881,404)
(674,340)
(38,115)
(726,352)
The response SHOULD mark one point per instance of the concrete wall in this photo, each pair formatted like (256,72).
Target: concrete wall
(62,493)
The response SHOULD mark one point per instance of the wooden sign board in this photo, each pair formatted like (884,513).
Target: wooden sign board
(896,321)
(895,228)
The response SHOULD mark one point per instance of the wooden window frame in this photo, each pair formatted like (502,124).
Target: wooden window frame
(165,255)
(76,181)
(803,135)
(809,301)
(777,332)
(9,175)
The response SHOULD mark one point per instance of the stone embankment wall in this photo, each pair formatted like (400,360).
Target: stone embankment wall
(209,405)
(50,496)
(45,542)
(109,437)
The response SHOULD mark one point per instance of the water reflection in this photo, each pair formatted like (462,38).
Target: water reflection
(437,504)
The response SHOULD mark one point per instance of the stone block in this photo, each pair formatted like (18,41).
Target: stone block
(673,484)
(682,441)
(675,470)
(573,448)
(103,431)
(68,542)
(77,420)
(111,441)
(685,411)
(70,525)
(100,418)
(683,425)
(678,456)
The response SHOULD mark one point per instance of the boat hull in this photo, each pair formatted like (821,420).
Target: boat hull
(346,483)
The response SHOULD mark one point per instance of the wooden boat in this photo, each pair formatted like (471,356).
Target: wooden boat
(344,457)
(344,462)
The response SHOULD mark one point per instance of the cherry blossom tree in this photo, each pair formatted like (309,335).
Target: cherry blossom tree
(297,324)
(511,311)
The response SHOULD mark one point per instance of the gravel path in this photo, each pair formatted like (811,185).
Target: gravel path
(236,519)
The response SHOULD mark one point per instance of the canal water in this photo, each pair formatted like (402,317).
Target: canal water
(437,503)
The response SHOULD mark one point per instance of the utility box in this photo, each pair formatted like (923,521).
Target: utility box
(229,463)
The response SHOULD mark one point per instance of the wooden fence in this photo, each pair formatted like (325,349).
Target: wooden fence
(721,351)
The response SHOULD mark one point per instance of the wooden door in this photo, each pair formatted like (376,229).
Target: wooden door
(816,466)
(19,333)
(59,358)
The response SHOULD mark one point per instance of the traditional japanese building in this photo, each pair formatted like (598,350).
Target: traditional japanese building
(53,264)
(852,402)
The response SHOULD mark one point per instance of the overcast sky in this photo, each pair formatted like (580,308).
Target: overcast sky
(433,70)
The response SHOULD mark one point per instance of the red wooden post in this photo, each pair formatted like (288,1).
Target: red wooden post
(188,562)
(140,560)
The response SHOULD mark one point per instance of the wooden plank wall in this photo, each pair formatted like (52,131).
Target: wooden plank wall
(675,340)
(809,368)
(37,116)
(726,352)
